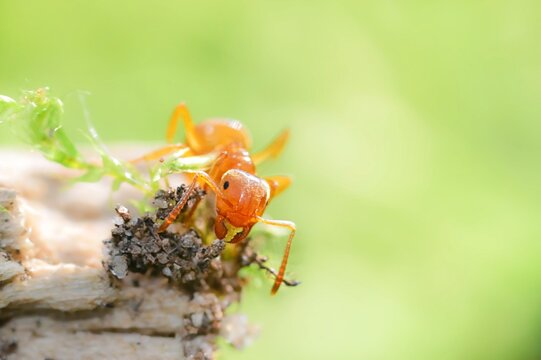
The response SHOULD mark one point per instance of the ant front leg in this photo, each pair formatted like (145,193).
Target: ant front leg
(198,175)
(189,216)
(281,272)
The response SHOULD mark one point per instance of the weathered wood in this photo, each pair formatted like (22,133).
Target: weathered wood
(56,299)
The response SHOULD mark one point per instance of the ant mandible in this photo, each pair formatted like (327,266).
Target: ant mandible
(241,196)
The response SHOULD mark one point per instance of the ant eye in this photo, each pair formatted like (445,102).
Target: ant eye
(226,185)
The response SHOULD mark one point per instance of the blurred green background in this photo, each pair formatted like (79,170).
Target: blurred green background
(415,150)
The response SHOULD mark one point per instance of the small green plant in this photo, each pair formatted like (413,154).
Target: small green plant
(36,117)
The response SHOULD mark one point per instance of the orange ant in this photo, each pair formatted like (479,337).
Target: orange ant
(241,196)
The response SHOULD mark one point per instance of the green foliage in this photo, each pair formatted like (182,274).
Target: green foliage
(176,163)
(7,106)
(36,118)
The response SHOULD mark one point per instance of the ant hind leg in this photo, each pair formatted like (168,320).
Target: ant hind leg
(273,150)
(181,111)
(277,184)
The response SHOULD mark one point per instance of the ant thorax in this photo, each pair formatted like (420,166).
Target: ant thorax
(231,157)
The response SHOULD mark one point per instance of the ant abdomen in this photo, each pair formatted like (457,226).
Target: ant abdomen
(217,133)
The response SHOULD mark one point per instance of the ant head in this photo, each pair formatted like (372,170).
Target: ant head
(245,197)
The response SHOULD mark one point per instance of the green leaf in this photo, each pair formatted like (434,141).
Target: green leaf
(177,164)
(91,175)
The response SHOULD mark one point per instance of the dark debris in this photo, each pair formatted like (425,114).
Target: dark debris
(165,201)
(135,246)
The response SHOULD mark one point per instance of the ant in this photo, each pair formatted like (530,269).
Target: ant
(241,196)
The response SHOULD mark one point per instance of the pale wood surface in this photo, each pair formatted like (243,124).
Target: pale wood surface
(56,299)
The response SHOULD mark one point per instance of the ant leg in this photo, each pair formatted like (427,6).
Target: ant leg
(161,152)
(260,261)
(273,149)
(181,111)
(277,184)
(199,175)
(281,272)
(193,208)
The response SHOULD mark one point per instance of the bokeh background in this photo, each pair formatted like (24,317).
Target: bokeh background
(416,151)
